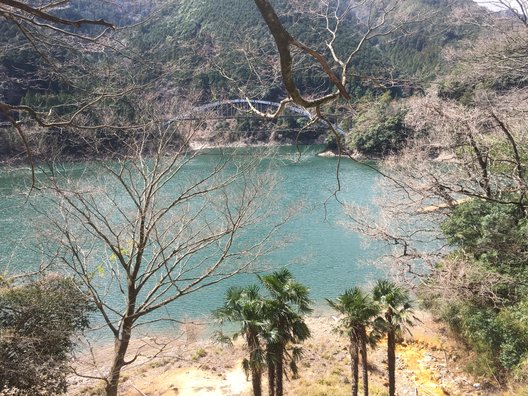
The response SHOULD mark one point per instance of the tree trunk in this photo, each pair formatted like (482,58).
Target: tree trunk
(354,365)
(270,361)
(256,381)
(256,370)
(279,370)
(364,361)
(271,378)
(120,350)
(391,361)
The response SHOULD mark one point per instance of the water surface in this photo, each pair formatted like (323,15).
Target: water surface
(321,252)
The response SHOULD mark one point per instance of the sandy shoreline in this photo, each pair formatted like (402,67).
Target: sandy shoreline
(429,363)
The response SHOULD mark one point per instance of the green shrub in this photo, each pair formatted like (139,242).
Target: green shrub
(37,324)
(379,129)
(383,138)
(199,354)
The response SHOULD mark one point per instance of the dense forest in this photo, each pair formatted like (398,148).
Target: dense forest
(435,91)
(206,52)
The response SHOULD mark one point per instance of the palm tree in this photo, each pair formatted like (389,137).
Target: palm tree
(397,316)
(245,306)
(358,311)
(285,309)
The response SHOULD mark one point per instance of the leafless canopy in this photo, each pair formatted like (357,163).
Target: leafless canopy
(147,230)
(470,147)
(376,18)
(40,25)
(81,58)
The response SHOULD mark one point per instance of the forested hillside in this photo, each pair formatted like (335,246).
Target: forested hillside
(206,51)
(223,47)
(26,66)
(435,91)
(464,168)
(487,272)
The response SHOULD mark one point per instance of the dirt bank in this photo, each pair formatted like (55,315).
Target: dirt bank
(429,363)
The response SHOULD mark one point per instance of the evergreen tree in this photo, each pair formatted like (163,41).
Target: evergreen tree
(358,312)
(397,315)
(285,309)
(245,307)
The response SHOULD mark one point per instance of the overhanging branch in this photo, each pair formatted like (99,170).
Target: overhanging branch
(284,40)
(37,12)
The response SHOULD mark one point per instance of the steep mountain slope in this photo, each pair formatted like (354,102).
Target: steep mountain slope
(202,50)
(223,47)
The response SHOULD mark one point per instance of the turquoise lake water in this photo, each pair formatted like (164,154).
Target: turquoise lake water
(321,252)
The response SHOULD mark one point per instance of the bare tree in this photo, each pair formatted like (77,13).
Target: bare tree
(470,139)
(462,153)
(515,8)
(43,27)
(374,19)
(152,228)
(65,70)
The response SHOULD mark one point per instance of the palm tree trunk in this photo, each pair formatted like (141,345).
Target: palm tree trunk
(256,371)
(391,361)
(279,371)
(364,361)
(271,379)
(256,381)
(271,369)
(354,365)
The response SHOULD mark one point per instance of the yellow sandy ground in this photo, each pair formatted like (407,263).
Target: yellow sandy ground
(429,364)
(190,382)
